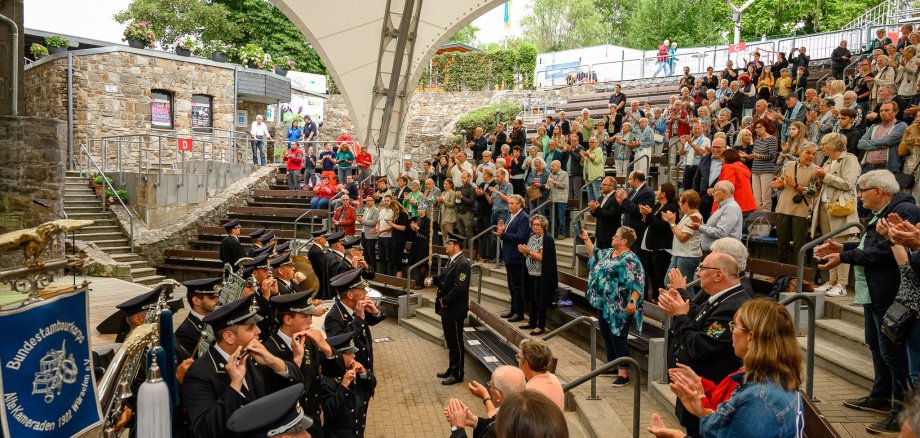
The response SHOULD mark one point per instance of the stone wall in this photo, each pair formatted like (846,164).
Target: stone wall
(152,244)
(32,159)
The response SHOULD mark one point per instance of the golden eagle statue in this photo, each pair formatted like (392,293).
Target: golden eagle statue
(33,241)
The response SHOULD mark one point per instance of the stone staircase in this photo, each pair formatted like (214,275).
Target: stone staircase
(81,202)
(840,346)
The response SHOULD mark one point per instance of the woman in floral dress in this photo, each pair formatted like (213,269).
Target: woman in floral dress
(615,286)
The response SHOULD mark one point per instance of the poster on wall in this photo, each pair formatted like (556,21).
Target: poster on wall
(201,115)
(242,119)
(270,113)
(160,112)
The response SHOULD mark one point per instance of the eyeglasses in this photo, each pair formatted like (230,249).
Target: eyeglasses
(703,268)
(732,326)
(861,189)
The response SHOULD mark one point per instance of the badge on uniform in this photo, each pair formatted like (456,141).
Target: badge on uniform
(462,276)
(715,330)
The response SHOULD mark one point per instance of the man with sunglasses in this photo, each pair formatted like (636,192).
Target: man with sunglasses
(699,336)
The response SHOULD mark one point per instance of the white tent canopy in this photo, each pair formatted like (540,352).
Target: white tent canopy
(376,50)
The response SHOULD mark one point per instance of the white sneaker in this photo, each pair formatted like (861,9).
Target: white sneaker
(836,291)
(824,287)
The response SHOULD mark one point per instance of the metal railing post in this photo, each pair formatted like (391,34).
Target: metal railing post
(634,370)
(810,340)
(581,199)
(474,238)
(591,321)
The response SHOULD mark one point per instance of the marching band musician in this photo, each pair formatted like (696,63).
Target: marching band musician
(354,313)
(231,249)
(266,286)
(254,238)
(282,248)
(294,313)
(202,299)
(283,269)
(315,256)
(236,370)
(354,257)
(268,239)
(277,415)
(333,262)
(345,399)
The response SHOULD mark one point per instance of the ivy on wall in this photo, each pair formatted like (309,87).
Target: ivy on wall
(484,117)
(476,71)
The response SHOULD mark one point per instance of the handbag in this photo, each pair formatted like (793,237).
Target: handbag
(905,180)
(759,228)
(842,207)
(534,193)
(897,322)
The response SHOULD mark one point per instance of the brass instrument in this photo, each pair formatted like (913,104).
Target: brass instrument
(231,290)
(115,386)
(304,274)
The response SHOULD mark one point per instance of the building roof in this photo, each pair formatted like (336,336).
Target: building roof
(456,47)
(35,35)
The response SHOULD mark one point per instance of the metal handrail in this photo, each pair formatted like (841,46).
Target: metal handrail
(106,181)
(581,199)
(634,371)
(484,232)
(810,339)
(478,267)
(647,158)
(800,270)
(308,213)
(591,321)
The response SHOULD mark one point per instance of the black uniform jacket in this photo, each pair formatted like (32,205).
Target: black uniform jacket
(453,299)
(315,365)
(339,321)
(209,399)
(188,334)
(231,250)
(345,409)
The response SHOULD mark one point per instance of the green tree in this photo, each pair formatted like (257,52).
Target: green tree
(467,35)
(687,22)
(171,19)
(614,16)
(563,24)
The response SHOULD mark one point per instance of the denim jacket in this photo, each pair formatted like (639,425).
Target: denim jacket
(756,409)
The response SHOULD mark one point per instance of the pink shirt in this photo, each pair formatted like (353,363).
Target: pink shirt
(548,385)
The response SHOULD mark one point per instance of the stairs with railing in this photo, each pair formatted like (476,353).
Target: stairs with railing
(887,13)
(81,202)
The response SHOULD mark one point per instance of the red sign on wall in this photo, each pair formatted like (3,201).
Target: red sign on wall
(737,47)
(185,144)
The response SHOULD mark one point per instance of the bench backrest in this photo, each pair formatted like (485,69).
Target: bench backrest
(389,280)
(816,425)
(505,330)
(192,254)
(776,269)
(572,281)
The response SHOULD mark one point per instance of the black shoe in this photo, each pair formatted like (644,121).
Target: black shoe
(516,318)
(537,332)
(525,326)
(444,374)
(507,315)
(620,381)
(452,380)
(887,426)
(869,404)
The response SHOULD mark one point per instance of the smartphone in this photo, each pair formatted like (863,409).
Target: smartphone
(577,227)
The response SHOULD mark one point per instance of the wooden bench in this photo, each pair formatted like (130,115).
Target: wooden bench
(816,424)
(492,340)
(283,193)
(771,270)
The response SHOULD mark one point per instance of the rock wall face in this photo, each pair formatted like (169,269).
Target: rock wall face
(32,159)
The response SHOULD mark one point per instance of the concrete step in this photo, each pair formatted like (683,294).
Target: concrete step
(849,365)
(72,173)
(91,216)
(661,394)
(74,205)
(111,251)
(428,315)
(84,208)
(102,238)
(136,265)
(80,195)
(846,336)
(424,330)
(497,297)
(574,424)
(126,257)
(142,271)
(599,418)
(110,243)
(97,227)
(843,309)
(151,280)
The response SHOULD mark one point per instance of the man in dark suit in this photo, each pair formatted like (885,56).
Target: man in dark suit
(315,256)
(333,262)
(202,299)
(513,233)
(506,381)
(236,370)
(608,213)
(707,174)
(354,313)
(452,303)
(294,313)
(231,249)
(264,287)
(700,336)
(639,194)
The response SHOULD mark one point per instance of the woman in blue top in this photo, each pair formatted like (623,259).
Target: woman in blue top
(615,288)
(294,133)
(766,402)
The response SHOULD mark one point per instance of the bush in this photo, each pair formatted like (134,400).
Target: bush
(56,41)
(98,180)
(484,69)
(140,32)
(188,43)
(484,117)
(123,194)
(37,50)
(253,53)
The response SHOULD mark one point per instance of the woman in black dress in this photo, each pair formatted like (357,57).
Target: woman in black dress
(421,229)
(401,231)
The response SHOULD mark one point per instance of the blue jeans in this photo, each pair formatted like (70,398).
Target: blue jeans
(913,353)
(318,203)
(687,267)
(888,361)
(615,346)
(258,148)
(560,217)
(594,190)
(662,66)
(343,172)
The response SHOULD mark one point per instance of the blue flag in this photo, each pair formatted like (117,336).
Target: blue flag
(46,377)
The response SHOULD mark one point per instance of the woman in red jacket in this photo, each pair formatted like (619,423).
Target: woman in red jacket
(734,171)
(322,193)
(293,158)
(363,160)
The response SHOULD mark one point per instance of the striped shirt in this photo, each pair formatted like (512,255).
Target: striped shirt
(767,147)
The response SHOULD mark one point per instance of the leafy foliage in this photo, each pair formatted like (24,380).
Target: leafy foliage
(484,117)
(467,35)
(56,41)
(563,24)
(171,20)
(37,49)
(688,22)
(498,67)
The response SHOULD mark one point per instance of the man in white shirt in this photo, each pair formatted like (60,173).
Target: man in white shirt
(259,133)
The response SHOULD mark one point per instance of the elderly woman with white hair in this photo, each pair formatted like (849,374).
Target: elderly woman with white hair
(835,204)
(885,75)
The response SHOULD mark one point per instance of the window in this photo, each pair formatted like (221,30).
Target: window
(201,111)
(161,109)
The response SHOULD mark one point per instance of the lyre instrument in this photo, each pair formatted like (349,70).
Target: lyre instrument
(231,290)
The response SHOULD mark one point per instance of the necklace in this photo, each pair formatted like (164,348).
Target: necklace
(618,253)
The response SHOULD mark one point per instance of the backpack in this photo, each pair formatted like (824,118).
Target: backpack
(780,285)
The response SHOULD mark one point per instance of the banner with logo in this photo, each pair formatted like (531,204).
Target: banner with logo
(46,377)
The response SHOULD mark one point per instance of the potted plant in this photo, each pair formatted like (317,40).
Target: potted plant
(101,184)
(254,57)
(138,35)
(287,64)
(185,46)
(217,50)
(38,51)
(56,44)
(110,196)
